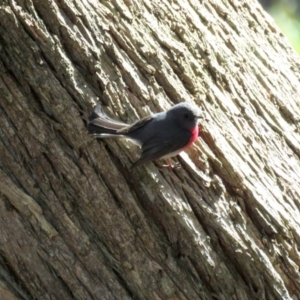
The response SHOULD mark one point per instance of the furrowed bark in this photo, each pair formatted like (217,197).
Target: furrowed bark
(77,223)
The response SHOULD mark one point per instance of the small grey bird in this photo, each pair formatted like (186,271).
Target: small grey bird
(161,135)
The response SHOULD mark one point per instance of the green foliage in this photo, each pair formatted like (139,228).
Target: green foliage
(286,15)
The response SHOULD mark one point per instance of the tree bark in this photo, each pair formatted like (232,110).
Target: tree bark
(77,223)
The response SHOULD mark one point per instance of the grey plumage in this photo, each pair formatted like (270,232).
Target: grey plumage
(160,135)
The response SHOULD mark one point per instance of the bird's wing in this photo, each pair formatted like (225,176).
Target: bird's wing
(135,125)
(154,149)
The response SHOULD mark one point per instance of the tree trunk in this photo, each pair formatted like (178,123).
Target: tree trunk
(77,223)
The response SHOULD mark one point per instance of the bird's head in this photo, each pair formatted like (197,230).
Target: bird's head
(185,114)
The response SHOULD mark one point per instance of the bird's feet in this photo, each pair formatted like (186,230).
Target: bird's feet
(170,165)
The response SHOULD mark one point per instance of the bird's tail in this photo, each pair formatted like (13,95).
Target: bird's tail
(102,126)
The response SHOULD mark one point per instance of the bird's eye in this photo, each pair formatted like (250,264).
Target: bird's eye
(185,116)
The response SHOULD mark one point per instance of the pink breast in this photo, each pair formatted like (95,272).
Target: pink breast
(194,137)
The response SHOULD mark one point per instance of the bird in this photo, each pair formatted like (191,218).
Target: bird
(160,135)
